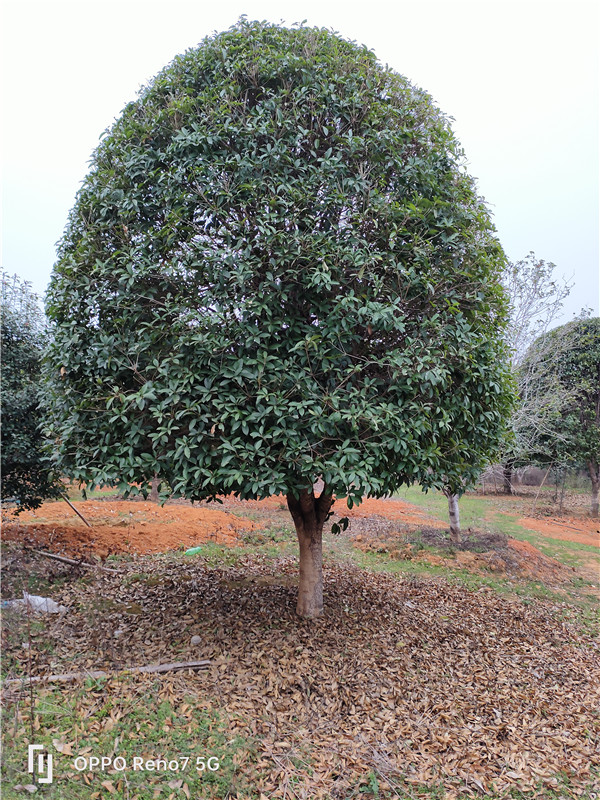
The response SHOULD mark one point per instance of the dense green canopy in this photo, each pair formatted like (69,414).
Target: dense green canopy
(27,479)
(277,269)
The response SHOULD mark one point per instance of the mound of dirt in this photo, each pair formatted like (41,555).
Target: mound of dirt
(120,526)
(478,552)
(531,562)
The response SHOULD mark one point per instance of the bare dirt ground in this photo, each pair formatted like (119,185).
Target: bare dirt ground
(386,526)
(120,526)
(569,529)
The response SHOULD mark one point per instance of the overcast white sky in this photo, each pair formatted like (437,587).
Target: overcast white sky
(521,80)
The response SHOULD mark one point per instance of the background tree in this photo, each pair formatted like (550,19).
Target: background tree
(536,298)
(26,475)
(276,271)
(569,357)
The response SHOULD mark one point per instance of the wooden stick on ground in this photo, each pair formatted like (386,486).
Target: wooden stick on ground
(69,503)
(99,673)
(73,561)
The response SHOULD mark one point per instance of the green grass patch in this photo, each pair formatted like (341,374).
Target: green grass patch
(215,555)
(126,720)
(473,510)
(270,532)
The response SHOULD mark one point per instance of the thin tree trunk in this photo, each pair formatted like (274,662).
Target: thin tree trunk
(556,482)
(595,477)
(562,491)
(454,514)
(309,514)
(507,470)
(540,489)
(154,492)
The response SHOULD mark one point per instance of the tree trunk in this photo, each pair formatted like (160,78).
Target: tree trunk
(154,492)
(556,482)
(454,514)
(507,471)
(595,477)
(309,514)
(562,491)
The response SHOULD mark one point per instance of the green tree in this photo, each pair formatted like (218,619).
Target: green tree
(568,357)
(536,297)
(277,271)
(26,476)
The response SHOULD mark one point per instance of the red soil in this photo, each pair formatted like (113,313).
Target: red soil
(119,526)
(536,563)
(392,509)
(570,529)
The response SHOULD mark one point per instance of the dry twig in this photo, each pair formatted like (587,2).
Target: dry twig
(73,561)
(99,673)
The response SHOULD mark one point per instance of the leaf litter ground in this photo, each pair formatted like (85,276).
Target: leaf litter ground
(405,683)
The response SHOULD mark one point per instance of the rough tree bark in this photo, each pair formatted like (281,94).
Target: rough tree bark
(309,514)
(595,478)
(454,514)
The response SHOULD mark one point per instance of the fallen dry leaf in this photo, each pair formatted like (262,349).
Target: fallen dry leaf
(65,748)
